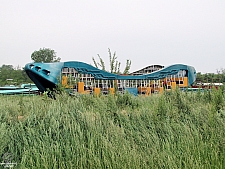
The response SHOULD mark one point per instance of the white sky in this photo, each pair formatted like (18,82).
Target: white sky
(147,32)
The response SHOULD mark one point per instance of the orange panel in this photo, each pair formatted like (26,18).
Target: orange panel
(80,87)
(185,81)
(174,85)
(64,80)
(97,91)
(148,91)
(111,90)
(139,89)
(161,90)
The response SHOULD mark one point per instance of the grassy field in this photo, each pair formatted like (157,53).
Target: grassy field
(173,130)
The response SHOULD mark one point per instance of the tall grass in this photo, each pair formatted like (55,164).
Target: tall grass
(173,130)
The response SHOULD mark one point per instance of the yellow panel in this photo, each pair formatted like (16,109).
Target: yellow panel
(139,89)
(97,91)
(185,81)
(80,87)
(64,80)
(111,90)
(161,90)
(174,85)
(148,91)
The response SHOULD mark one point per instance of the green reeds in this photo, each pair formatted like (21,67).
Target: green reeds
(172,130)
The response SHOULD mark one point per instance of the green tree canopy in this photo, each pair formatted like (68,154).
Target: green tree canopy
(10,75)
(45,55)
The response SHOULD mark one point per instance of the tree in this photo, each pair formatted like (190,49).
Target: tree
(10,75)
(113,62)
(6,72)
(45,55)
(127,68)
(218,77)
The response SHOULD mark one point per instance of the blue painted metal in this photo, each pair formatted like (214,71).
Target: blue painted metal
(23,89)
(47,75)
(132,90)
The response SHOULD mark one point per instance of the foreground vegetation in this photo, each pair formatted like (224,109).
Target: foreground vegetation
(173,130)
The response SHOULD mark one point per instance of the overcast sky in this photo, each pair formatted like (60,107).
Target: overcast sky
(147,32)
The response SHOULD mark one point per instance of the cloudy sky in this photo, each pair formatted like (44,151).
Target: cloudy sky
(147,32)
